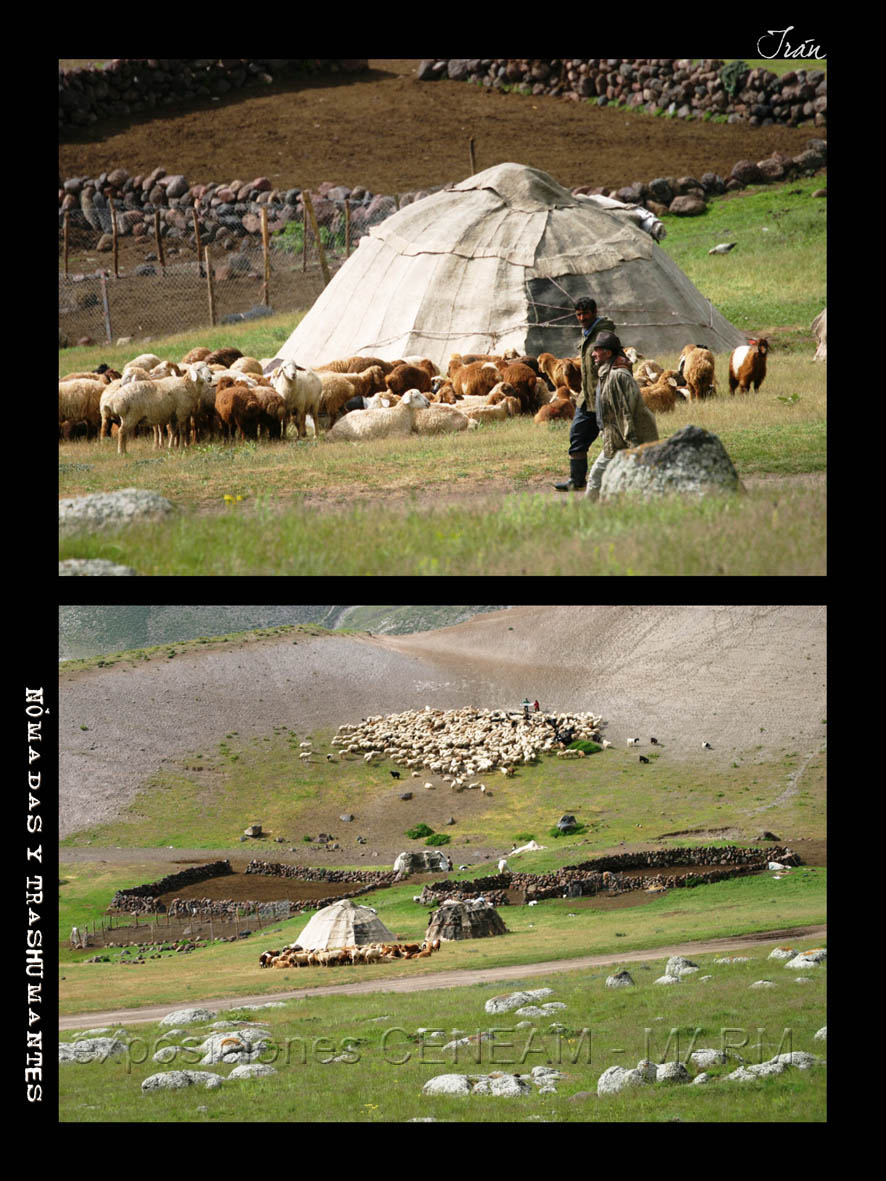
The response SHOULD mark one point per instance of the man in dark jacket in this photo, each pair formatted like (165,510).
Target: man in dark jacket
(584,429)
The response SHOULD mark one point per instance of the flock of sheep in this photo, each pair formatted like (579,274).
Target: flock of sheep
(459,743)
(224,393)
(369,953)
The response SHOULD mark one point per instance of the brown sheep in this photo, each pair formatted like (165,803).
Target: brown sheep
(748,364)
(661,398)
(526,385)
(408,377)
(198,354)
(238,408)
(561,371)
(224,357)
(560,407)
(476,379)
(367,382)
(272,418)
(337,392)
(457,360)
(696,368)
(500,393)
(445,393)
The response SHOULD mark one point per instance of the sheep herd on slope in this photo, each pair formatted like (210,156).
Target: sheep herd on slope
(222,394)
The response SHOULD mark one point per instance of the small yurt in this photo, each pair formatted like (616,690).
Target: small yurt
(496,262)
(344,924)
(468,918)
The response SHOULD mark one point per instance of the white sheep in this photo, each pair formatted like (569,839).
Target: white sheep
(79,401)
(378,424)
(439,419)
(301,389)
(160,403)
(502,864)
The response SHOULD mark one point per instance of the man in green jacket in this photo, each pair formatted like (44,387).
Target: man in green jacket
(584,427)
(623,417)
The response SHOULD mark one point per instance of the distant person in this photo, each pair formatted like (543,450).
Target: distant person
(585,428)
(536,706)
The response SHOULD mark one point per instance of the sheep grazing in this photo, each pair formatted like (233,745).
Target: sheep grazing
(301,390)
(408,377)
(167,402)
(378,423)
(272,418)
(747,365)
(238,408)
(696,369)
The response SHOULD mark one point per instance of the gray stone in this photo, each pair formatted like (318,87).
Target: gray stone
(447,1084)
(175,1079)
(94,568)
(622,979)
(256,1070)
(688,205)
(504,1004)
(95,1049)
(188,1016)
(692,461)
(672,1072)
(617,1078)
(108,510)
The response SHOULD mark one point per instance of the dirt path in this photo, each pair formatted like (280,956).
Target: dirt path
(453,979)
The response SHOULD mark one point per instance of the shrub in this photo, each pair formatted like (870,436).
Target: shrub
(439,838)
(590,748)
(420,830)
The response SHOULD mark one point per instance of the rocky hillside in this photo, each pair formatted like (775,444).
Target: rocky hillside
(98,630)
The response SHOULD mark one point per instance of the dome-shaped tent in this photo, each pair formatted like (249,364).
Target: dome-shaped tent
(343,924)
(466,918)
(496,262)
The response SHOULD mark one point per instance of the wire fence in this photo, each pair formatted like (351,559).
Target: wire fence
(166,279)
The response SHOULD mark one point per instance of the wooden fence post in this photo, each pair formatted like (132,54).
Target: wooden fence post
(471,153)
(197,243)
(209,285)
(266,250)
(159,241)
(67,232)
(107,306)
(324,266)
(347,228)
(113,233)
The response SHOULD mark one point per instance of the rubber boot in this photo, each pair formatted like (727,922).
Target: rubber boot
(578,475)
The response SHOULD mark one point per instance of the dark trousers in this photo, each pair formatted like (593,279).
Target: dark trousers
(583,432)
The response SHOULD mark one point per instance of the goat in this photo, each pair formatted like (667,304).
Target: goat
(748,364)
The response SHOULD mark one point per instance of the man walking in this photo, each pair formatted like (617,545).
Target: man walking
(584,427)
(623,417)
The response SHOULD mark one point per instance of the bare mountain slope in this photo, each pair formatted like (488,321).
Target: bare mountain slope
(738,677)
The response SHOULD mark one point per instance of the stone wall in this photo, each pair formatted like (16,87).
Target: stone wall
(134,86)
(146,898)
(607,874)
(675,86)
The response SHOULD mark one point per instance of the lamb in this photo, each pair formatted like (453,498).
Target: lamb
(247,365)
(408,377)
(647,372)
(502,864)
(158,402)
(301,390)
(224,357)
(379,424)
(696,368)
(748,364)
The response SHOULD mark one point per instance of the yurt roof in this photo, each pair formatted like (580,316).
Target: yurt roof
(343,924)
(495,262)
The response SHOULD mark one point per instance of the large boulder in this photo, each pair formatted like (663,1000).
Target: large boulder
(691,461)
(425,861)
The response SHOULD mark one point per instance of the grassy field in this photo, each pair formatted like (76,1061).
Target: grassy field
(390,1045)
(481,503)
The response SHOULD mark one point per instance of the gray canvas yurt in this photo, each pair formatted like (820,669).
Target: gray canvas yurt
(496,262)
(468,918)
(344,924)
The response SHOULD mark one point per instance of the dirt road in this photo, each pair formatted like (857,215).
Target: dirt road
(453,979)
